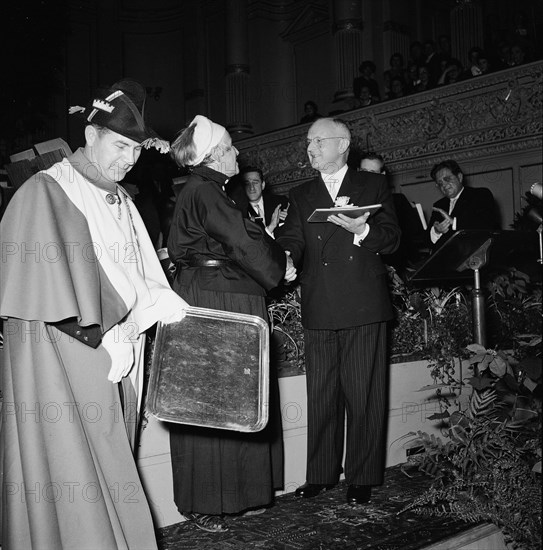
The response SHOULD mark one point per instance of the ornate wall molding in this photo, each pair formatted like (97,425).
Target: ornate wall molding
(489,115)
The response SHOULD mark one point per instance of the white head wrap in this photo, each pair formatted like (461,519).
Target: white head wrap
(207,135)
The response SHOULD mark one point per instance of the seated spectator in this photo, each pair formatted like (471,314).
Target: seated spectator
(424,77)
(397,88)
(473,69)
(484,64)
(366,78)
(411,78)
(413,240)
(432,62)
(365,98)
(451,74)
(397,70)
(461,207)
(311,112)
(502,59)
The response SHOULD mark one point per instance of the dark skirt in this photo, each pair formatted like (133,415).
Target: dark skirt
(222,471)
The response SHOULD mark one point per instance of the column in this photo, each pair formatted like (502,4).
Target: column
(466,28)
(237,68)
(347,44)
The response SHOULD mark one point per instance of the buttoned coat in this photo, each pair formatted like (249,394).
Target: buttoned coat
(474,209)
(343,285)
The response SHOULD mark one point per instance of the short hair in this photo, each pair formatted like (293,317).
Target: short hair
(450,164)
(247,169)
(372,155)
(343,125)
(183,150)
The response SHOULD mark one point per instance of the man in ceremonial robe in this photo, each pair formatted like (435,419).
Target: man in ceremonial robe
(80,283)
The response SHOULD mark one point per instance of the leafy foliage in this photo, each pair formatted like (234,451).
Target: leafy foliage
(489,468)
(286,319)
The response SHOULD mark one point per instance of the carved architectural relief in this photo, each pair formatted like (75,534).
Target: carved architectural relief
(478,118)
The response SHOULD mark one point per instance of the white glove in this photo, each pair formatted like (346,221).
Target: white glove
(179,310)
(118,343)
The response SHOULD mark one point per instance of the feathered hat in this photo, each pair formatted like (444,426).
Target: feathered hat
(121,109)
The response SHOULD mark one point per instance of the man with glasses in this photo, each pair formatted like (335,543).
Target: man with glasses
(462,207)
(345,306)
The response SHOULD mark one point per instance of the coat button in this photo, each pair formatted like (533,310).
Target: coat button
(86,338)
(319,237)
(78,333)
(325,263)
(350,258)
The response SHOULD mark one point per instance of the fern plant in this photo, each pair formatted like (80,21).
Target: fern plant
(489,468)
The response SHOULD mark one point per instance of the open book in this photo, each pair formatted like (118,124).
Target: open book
(320,215)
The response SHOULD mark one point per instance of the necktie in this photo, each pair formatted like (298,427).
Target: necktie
(257,210)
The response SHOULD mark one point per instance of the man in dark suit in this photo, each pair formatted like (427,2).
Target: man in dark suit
(413,242)
(462,207)
(345,306)
(266,208)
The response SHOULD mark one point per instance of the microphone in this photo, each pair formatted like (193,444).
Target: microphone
(537,190)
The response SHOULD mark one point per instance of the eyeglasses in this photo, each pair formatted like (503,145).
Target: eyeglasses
(318,140)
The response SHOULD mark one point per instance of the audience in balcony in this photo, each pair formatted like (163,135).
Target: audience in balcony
(432,65)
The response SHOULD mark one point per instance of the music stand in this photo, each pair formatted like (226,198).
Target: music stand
(466,253)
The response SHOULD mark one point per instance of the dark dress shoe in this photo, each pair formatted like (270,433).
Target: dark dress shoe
(310,490)
(358,494)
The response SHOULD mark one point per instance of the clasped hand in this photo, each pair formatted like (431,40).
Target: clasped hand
(353,225)
(290,273)
(446,224)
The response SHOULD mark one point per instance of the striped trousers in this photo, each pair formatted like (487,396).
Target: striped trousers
(346,371)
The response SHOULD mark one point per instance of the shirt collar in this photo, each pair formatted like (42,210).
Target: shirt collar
(336,177)
(454,199)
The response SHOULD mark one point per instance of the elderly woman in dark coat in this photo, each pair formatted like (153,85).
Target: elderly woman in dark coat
(225,262)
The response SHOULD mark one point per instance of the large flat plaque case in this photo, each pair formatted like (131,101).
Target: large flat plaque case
(211,369)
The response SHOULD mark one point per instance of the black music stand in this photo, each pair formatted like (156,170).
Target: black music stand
(466,253)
